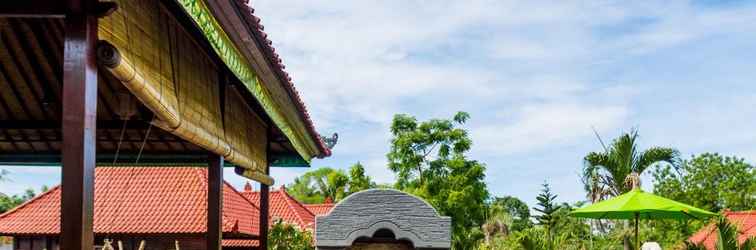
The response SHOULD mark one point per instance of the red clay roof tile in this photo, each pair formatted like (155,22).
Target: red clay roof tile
(320,209)
(140,200)
(284,207)
(744,220)
(275,60)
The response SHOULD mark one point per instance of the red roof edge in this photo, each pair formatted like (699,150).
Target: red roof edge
(242,195)
(289,201)
(33,199)
(253,22)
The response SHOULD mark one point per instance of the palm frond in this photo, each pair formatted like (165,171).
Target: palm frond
(654,155)
(624,152)
(727,235)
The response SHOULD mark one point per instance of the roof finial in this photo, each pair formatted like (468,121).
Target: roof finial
(328,200)
(247,187)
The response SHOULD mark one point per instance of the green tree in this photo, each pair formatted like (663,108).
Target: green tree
(284,236)
(498,223)
(618,169)
(317,185)
(358,180)
(9,202)
(429,161)
(709,181)
(415,146)
(613,171)
(517,209)
(547,207)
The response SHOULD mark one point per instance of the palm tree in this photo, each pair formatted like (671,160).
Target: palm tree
(497,223)
(617,169)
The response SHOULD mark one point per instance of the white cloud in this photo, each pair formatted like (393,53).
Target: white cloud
(535,75)
(537,126)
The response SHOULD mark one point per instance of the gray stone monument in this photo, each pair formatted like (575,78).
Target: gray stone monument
(382,219)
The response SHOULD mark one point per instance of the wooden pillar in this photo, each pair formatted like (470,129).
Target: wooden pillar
(214,201)
(264,215)
(78,125)
(264,198)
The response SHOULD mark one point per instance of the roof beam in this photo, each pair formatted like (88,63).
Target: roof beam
(33,8)
(101,124)
(51,8)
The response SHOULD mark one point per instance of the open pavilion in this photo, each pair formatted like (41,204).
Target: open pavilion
(131,82)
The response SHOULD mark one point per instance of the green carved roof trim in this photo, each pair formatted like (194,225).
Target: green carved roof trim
(230,55)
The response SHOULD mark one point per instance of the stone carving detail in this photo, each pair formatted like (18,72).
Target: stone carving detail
(361,215)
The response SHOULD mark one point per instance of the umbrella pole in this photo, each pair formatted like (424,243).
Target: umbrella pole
(637,241)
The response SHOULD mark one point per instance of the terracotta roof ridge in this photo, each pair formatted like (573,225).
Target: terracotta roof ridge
(33,199)
(744,212)
(203,174)
(289,200)
(241,193)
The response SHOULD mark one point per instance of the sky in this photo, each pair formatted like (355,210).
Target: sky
(537,77)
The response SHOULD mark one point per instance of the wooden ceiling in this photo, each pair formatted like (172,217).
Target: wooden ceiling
(31,55)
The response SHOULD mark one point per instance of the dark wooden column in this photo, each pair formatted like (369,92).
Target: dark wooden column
(264,198)
(79,125)
(264,215)
(214,201)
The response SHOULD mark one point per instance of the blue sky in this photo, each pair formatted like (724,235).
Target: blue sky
(536,76)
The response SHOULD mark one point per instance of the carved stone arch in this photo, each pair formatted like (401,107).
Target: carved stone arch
(399,234)
(362,214)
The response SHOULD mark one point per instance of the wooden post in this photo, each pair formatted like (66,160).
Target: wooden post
(264,215)
(264,197)
(637,239)
(214,201)
(78,125)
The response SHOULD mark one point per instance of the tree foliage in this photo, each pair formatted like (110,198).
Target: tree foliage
(9,202)
(3,173)
(547,207)
(429,161)
(548,219)
(284,236)
(709,181)
(318,185)
(517,209)
(606,173)
(358,180)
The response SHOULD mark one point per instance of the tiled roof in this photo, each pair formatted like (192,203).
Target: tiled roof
(320,209)
(745,221)
(277,63)
(240,243)
(140,200)
(284,207)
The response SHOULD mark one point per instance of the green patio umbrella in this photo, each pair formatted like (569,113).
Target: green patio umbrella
(637,204)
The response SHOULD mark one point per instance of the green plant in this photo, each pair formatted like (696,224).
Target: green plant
(429,161)
(608,171)
(284,236)
(518,211)
(547,207)
(710,181)
(727,238)
(617,170)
